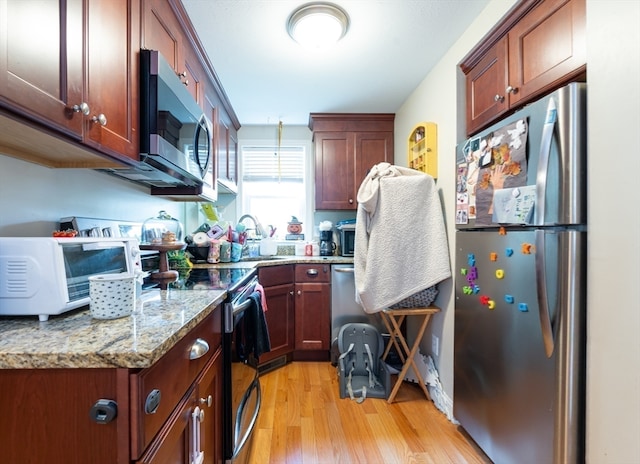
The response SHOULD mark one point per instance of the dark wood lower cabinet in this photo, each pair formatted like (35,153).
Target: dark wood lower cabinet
(45,416)
(54,416)
(313,311)
(198,414)
(278,287)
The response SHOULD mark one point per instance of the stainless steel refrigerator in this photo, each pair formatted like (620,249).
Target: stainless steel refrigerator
(520,322)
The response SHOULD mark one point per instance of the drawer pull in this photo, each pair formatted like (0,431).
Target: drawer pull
(152,402)
(199,348)
(312,272)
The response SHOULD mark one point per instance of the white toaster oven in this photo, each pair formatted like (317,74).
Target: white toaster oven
(46,276)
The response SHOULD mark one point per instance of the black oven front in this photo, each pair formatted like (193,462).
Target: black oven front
(242,347)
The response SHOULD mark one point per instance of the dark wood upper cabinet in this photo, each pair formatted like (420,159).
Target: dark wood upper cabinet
(537,47)
(41,73)
(112,84)
(71,68)
(346,147)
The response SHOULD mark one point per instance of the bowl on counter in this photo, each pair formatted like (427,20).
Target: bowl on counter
(198,253)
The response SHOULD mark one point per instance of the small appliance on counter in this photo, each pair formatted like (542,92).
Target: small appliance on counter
(46,276)
(347,231)
(327,245)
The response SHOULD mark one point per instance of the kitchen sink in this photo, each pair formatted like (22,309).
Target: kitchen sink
(264,258)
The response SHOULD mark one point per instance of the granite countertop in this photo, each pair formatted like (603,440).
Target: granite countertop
(76,340)
(162,317)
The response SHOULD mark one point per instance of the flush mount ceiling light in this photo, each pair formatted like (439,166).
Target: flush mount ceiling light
(318,24)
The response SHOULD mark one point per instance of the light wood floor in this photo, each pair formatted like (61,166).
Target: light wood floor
(304,421)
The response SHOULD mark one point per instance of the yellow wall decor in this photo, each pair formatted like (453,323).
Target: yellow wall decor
(423,148)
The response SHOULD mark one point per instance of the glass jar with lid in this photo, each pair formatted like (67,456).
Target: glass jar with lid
(162,229)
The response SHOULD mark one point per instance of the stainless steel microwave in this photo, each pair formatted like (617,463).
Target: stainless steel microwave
(347,239)
(46,276)
(176,136)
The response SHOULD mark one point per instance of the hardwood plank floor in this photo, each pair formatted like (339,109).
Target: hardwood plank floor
(304,421)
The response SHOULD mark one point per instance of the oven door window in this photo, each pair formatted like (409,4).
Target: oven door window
(86,259)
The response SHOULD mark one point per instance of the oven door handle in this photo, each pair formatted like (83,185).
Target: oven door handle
(240,412)
(231,310)
(242,306)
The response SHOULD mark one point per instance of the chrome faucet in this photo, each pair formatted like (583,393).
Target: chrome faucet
(260,232)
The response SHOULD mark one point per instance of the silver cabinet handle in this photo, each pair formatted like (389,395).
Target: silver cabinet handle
(350,201)
(100,119)
(510,89)
(498,98)
(208,401)
(299,292)
(199,348)
(312,272)
(81,108)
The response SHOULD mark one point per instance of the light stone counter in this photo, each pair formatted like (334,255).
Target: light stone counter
(76,340)
(161,319)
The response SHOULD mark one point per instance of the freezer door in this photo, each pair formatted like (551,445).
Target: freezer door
(516,398)
(556,162)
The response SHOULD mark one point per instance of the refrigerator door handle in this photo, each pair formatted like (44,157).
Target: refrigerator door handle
(543,162)
(543,298)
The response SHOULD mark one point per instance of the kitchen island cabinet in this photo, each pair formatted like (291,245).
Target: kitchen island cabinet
(61,380)
(76,80)
(346,147)
(537,47)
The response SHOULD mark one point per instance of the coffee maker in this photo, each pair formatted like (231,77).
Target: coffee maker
(327,245)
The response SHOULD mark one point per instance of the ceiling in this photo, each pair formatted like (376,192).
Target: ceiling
(390,47)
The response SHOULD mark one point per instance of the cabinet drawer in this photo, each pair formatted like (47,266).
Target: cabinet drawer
(171,376)
(275,275)
(313,273)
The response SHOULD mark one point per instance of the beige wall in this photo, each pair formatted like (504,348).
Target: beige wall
(613,345)
(33,198)
(435,100)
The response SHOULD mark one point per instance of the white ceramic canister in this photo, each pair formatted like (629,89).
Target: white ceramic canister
(112,295)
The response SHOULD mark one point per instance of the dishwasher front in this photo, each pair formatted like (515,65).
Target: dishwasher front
(344,308)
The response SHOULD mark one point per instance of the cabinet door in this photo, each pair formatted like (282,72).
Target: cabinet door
(227,151)
(371,148)
(313,316)
(112,76)
(280,321)
(46,416)
(173,443)
(209,396)
(162,32)
(335,170)
(486,83)
(546,47)
(41,64)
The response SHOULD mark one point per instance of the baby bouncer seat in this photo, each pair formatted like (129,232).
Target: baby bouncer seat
(362,372)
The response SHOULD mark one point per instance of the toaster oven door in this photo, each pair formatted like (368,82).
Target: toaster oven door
(82,260)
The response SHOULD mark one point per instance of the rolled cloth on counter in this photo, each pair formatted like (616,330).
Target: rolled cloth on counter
(400,241)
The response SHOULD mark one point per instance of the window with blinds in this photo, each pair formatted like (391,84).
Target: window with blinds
(274,184)
(268,164)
